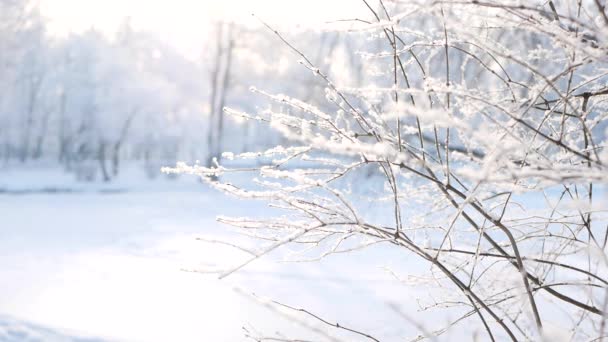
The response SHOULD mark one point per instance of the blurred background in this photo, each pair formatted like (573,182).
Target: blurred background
(93,86)
(97,96)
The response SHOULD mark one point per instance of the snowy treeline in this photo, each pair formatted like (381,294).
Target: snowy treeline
(485,123)
(85,97)
(89,101)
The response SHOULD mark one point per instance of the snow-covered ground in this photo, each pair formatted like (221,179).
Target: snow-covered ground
(111,261)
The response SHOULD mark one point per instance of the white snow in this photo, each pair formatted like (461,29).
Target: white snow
(112,265)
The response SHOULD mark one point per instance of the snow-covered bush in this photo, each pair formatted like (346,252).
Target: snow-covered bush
(486,121)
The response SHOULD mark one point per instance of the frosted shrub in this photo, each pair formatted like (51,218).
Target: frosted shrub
(487,122)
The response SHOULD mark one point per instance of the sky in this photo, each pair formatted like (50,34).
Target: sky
(184,23)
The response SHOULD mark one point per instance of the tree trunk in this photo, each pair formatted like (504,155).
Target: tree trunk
(63,140)
(102,161)
(29,122)
(219,89)
(41,135)
(211,131)
(118,143)
(223,94)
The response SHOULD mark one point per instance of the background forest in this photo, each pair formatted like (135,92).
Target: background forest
(90,101)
